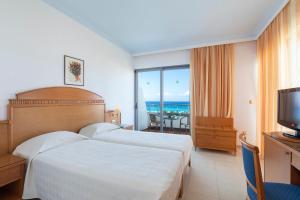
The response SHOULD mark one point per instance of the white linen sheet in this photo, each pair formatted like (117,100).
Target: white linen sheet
(181,143)
(91,170)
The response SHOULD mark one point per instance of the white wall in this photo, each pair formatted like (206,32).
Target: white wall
(162,59)
(33,39)
(245,82)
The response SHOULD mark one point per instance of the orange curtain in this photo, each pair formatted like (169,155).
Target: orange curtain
(212,81)
(278,63)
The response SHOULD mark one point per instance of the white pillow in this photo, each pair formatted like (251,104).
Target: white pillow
(90,130)
(41,143)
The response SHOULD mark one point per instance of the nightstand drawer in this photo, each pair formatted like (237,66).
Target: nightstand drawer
(10,174)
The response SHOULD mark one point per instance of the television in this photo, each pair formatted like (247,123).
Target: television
(288,113)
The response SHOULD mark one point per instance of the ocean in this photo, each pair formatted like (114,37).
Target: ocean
(169,106)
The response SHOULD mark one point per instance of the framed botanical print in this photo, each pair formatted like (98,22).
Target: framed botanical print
(74,71)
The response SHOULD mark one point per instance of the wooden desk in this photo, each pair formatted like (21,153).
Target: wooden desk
(282,159)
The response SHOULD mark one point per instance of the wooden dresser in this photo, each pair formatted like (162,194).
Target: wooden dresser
(215,133)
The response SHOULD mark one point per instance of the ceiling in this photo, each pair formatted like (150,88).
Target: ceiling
(148,26)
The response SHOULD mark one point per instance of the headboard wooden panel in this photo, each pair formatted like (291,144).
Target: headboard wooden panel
(52,109)
(64,93)
(3,137)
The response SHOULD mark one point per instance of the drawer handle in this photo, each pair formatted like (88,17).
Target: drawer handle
(287,153)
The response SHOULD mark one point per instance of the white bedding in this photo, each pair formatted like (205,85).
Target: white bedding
(89,170)
(181,143)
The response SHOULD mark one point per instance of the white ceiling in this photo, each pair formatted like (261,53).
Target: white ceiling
(147,26)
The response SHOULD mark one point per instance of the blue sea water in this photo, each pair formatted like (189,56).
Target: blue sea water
(169,106)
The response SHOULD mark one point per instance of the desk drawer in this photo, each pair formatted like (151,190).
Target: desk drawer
(296,161)
(10,174)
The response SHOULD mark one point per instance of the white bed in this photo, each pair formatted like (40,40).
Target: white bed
(70,166)
(112,133)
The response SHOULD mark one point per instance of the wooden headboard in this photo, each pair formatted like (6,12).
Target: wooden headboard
(45,110)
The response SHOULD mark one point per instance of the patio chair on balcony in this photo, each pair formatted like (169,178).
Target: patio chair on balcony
(186,123)
(154,121)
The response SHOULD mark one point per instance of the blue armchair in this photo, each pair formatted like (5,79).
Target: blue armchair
(256,188)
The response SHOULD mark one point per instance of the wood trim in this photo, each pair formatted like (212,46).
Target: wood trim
(4,137)
(41,102)
(55,93)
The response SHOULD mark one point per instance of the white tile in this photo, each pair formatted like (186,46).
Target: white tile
(215,175)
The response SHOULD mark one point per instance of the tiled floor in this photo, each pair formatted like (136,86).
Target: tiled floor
(215,175)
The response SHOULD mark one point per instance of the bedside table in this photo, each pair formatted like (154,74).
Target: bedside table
(126,126)
(12,171)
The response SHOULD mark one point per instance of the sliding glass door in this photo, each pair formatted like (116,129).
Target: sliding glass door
(162,100)
(148,100)
(176,100)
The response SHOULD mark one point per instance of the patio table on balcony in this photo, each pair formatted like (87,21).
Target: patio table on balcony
(171,118)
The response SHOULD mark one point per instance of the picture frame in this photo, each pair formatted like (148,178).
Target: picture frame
(73,71)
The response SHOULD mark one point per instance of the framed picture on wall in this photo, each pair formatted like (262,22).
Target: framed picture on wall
(74,71)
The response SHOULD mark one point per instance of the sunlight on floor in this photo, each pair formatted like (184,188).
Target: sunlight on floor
(215,175)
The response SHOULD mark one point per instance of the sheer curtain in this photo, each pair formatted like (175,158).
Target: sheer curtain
(278,63)
(211,81)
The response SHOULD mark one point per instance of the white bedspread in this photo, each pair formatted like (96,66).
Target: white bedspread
(90,170)
(181,143)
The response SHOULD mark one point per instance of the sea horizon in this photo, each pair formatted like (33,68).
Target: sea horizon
(169,106)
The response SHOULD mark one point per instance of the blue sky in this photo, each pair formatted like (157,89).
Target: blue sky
(176,85)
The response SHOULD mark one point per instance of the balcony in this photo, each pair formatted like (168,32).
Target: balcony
(176,117)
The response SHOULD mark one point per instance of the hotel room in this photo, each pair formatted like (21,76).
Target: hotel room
(153,100)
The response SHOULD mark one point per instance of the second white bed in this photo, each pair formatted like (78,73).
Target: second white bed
(112,133)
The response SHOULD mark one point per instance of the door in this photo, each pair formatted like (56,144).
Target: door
(176,100)
(162,100)
(148,103)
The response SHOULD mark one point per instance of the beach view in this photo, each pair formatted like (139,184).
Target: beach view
(169,106)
